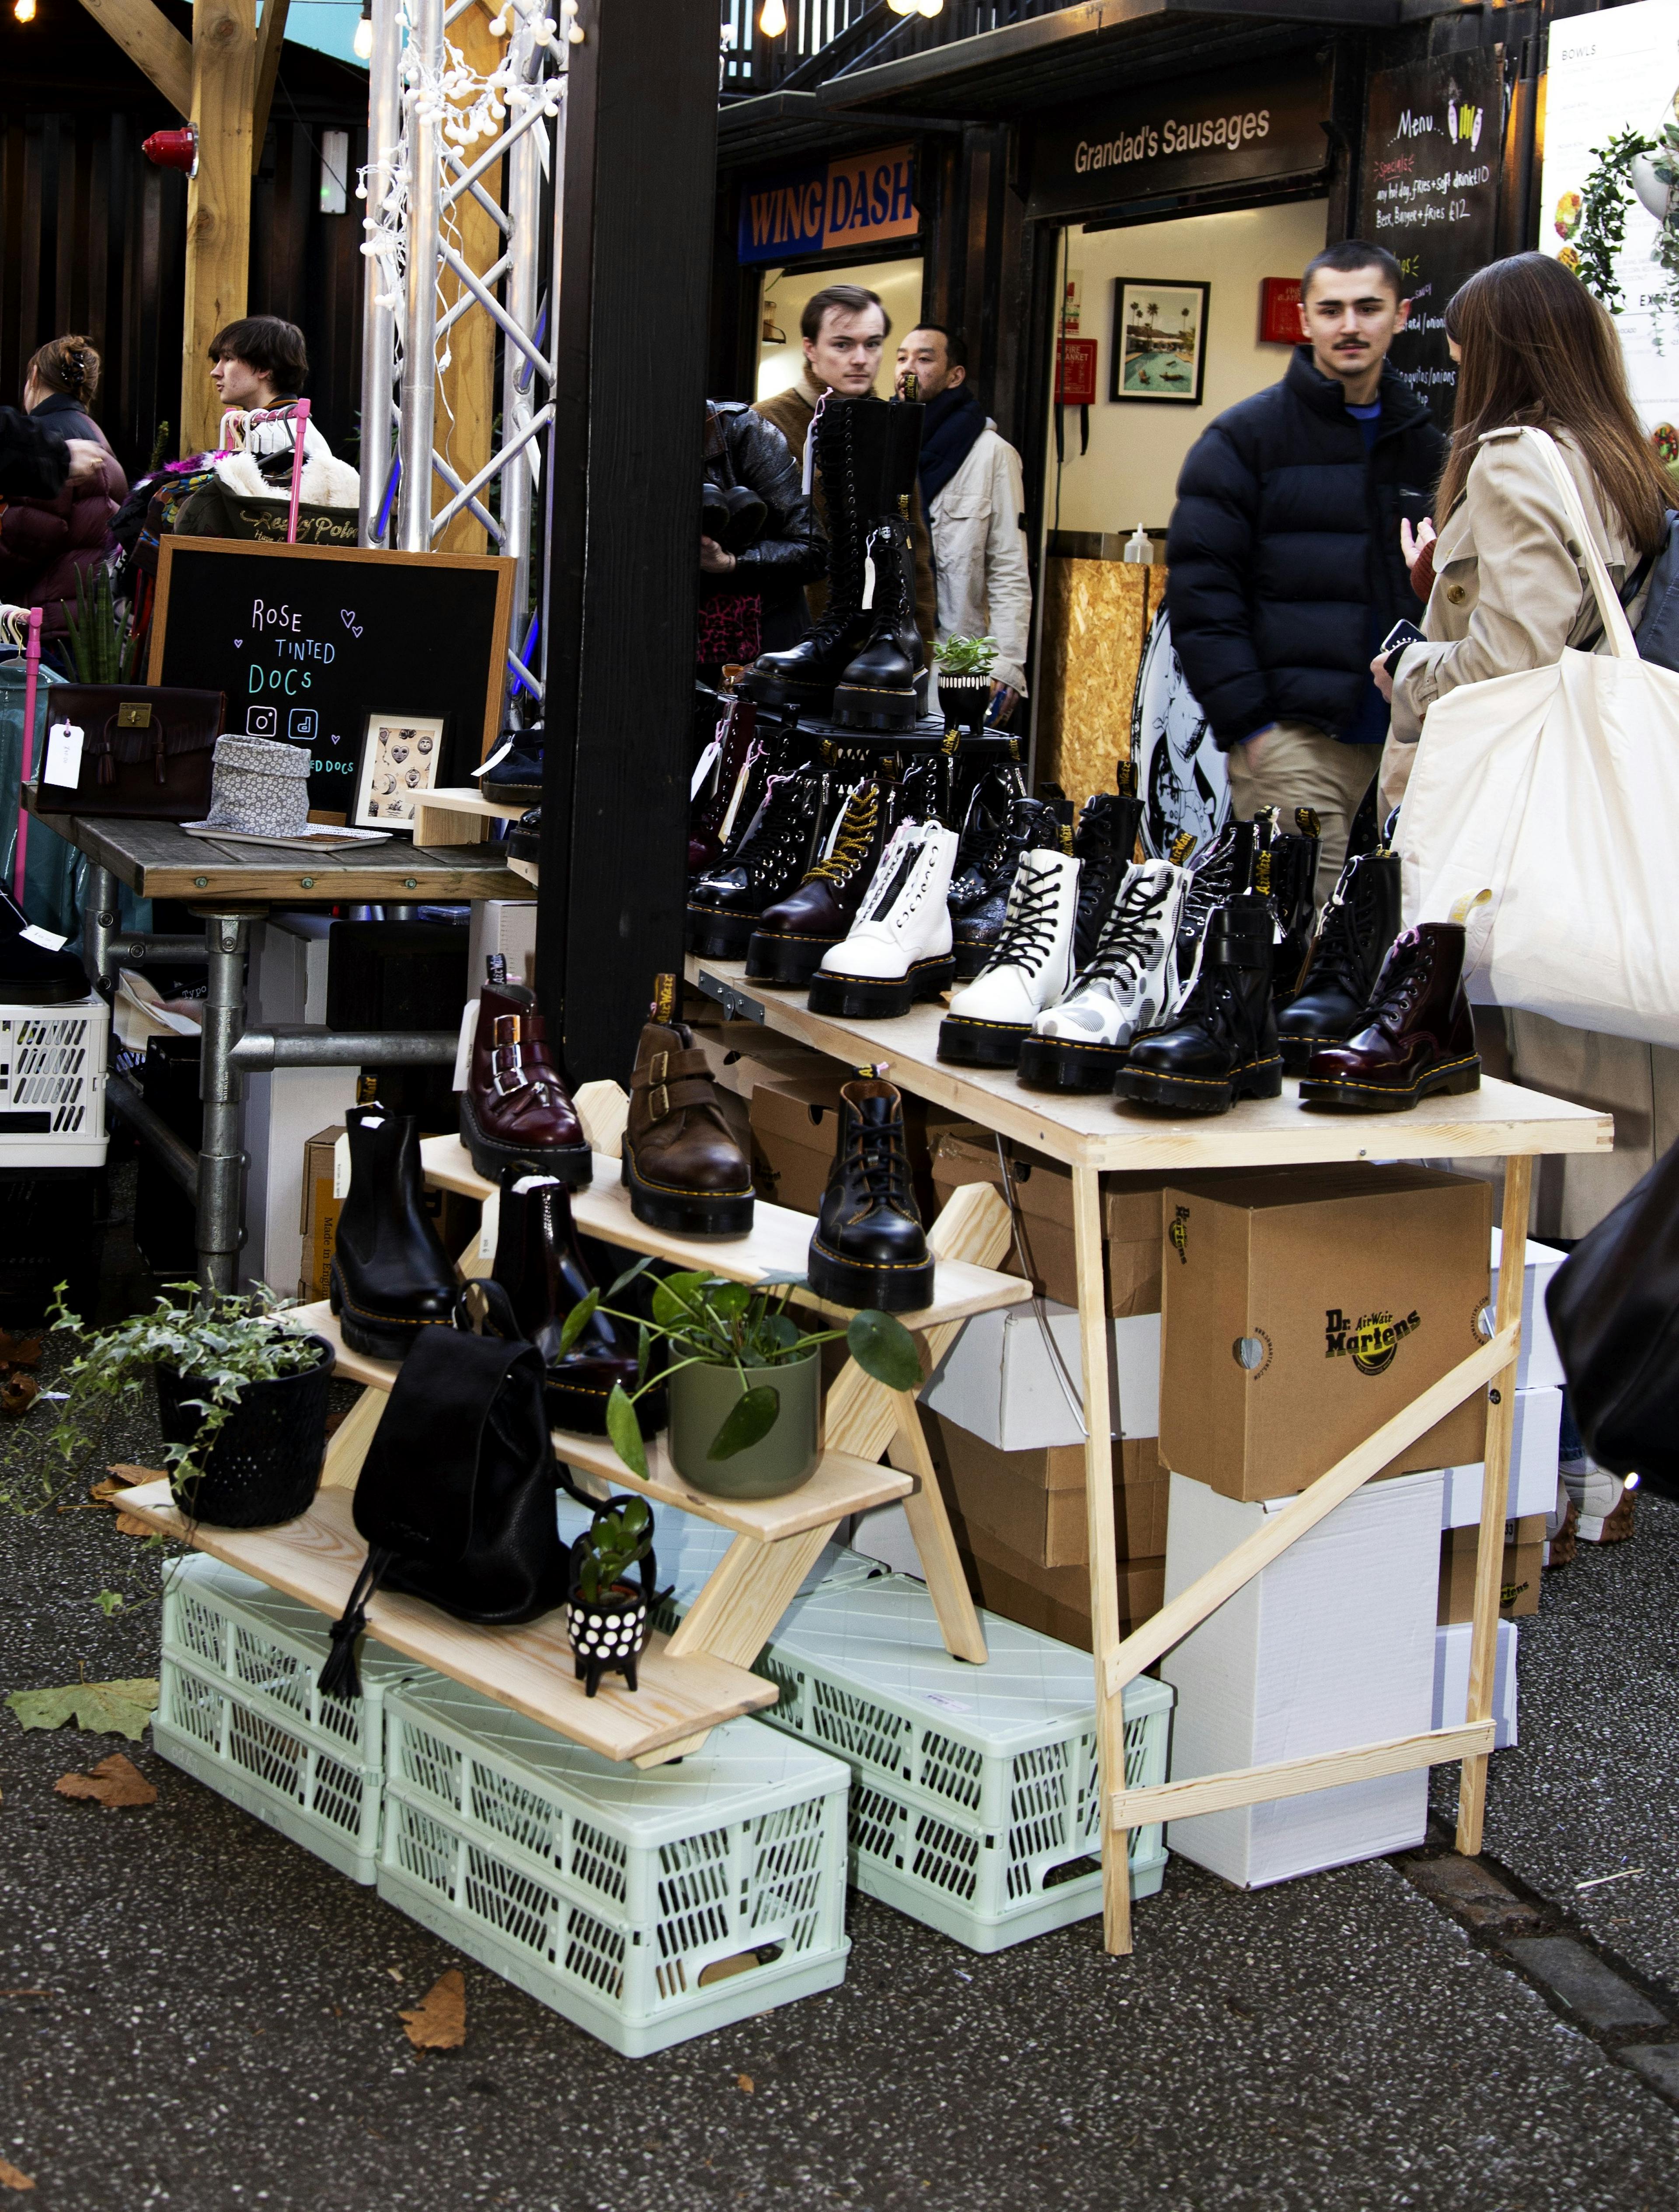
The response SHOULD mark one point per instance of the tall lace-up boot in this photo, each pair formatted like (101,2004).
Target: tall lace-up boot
(1031,967)
(1417,1035)
(898,948)
(1359,923)
(779,845)
(792,935)
(1221,1045)
(728,786)
(1030,826)
(885,685)
(1129,984)
(514,1110)
(869,1247)
(1221,871)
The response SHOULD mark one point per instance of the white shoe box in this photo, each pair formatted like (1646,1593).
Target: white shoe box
(1451,1680)
(505,925)
(1017,1381)
(1533,1464)
(1331,1647)
(289,1105)
(1538,1366)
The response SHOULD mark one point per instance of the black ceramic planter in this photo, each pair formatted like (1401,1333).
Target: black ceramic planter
(265,1464)
(962,701)
(607,1634)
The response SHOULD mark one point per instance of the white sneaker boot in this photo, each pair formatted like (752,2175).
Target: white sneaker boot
(899,946)
(1030,966)
(1131,984)
(1604,1500)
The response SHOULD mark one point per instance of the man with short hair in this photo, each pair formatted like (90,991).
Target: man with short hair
(845,330)
(262,362)
(1286,567)
(972,490)
(258,361)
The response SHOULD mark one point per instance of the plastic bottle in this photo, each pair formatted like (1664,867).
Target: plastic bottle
(1139,546)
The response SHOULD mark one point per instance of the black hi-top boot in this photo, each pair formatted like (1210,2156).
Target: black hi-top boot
(1103,845)
(1222,870)
(1284,871)
(1222,1045)
(1359,923)
(390,1275)
(850,444)
(780,845)
(884,687)
(869,1248)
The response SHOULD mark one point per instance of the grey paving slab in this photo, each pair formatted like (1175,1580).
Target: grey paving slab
(1585,1983)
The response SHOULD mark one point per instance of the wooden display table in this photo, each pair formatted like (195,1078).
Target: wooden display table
(1094,1134)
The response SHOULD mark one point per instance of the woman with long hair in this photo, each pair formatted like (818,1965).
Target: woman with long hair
(47,543)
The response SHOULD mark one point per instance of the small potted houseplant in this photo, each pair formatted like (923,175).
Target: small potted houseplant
(606,1619)
(745,1382)
(964,666)
(241,1400)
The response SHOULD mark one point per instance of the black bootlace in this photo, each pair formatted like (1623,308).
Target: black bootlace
(1125,941)
(882,1167)
(1404,973)
(1337,958)
(778,818)
(1028,926)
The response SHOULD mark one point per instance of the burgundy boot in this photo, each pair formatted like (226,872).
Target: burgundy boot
(514,1108)
(1418,1033)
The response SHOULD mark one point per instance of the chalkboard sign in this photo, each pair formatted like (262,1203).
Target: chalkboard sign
(1431,197)
(308,640)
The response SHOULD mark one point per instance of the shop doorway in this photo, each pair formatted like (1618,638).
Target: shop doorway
(781,356)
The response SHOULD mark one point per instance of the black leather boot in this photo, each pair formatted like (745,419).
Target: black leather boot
(792,935)
(983,826)
(850,439)
(1222,1044)
(724,904)
(1104,844)
(869,1248)
(1030,826)
(1221,871)
(390,1275)
(539,1264)
(32,975)
(883,686)
(1359,923)
(1285,872)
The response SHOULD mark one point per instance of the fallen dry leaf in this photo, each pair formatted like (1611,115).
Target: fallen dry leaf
(11,2178)
(114,1781)
(129,1524)
(98,1708)
(18,1393)
(132,1477)
(438,2022)
(19,1350)
(746,2084)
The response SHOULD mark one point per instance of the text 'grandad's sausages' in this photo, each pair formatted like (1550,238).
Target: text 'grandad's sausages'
(1145,143)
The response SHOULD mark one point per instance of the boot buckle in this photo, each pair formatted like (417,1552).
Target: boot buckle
(658,1096)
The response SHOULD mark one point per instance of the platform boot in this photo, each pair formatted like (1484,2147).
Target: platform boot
(1130,985)
(1417,1035)
(1104,843)
(390,1276)
(780,843)
(727,795)
(545,1276)
(1030,826)
(869,1247)
(682,1166)
(786,947)
(1222,1044)
(1030,966)
(1284,871)
(899,948)
(514,1108)
(884,687)
(1360,921)
(1221,871)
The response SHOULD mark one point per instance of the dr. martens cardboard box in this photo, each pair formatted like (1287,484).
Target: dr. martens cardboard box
(1302,1311)
(1518,1580)
(1034,1501)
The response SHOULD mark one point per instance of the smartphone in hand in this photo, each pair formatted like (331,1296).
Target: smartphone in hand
(1402,635)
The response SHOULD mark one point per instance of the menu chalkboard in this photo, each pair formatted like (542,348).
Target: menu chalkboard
(308,640)
(1431,197)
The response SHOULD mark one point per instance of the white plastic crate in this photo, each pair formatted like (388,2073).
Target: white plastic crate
(240,1712)
(647,1907)
(52,1065)
(975,1804)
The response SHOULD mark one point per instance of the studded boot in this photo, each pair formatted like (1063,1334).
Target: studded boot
(984,825)
(869,1247)
(1359,923)
(1030,826)
(390,1276)
(779,845)
(1222,1044)
(544,1274)
(683,1168)
(1418,1033)
(1284,871)
(514,1110)
(786,947)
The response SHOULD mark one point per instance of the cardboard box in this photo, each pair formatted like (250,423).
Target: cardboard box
(1540,1365)
(321,1209)
(1028,1501)
(1056,1601)
(1533,1463)
(1003,1381)
(1043,1190)
(1451,1680)
(1330,1646)
(1303,1310)
(1523,1559)
(795,1131)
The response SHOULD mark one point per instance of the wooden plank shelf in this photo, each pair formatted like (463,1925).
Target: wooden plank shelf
(778,1244)
(317,1558)
(1096,1131)
(458,814)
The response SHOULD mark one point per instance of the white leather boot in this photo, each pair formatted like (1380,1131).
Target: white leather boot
(1030,968)
(1131,984)
(899,946)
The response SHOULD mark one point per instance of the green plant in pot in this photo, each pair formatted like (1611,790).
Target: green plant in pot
(606,1619)
(964,666)
(241,1400)
(745,1382)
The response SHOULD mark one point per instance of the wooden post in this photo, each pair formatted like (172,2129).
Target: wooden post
(466,388)
(1494,1496)
(218,202)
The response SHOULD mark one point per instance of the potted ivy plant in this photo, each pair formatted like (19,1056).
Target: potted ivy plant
(606,1619)
(241,1399)
(745,1382)
(964,666)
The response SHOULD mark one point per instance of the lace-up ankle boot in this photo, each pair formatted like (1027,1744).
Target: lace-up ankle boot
(684,1171)
(1417,1035)
(1285,872)
(1031,967)
(515,1111)
(983,826)
(1359,923)
(898,948)
(1221,871)
(975,928)
(390,1276)
(1129,984)
(780,843)
(1104,845)
(545,1275)
(792,935)
(1222,1044)
(869,1247)
(850,438)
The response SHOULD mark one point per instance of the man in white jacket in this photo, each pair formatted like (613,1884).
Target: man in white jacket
(972,495)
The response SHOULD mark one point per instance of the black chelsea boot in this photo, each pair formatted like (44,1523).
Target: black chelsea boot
(390,1276)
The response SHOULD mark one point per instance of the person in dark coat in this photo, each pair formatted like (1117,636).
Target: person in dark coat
(752,587)
(36,462)
(1287,553)
(49,539)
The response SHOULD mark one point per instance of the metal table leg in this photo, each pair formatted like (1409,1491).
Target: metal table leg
(221,1155)
(98,923)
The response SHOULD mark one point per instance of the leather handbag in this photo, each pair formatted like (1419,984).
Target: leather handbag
(1614,1310)
(147,751)
(1556,791)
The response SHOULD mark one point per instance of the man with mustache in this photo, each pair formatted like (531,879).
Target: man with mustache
(1287,567)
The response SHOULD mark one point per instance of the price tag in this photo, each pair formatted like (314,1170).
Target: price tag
(499,755)
(707,761)
(63,755)
(463,1051)
(489,1225)
(341,1167)
(32,935)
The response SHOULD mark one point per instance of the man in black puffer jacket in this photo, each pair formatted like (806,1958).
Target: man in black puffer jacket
(1287,568)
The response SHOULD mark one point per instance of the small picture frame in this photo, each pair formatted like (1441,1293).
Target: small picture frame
(1159,348)
(400,757)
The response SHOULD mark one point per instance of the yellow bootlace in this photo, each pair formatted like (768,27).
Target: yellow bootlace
(851,846)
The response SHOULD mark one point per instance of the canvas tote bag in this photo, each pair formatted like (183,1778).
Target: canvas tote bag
(1555,792)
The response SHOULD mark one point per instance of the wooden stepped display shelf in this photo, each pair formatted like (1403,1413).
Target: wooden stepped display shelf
(317,1558)
(458,814)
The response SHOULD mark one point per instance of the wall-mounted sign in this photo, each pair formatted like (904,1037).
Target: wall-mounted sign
(1164,139)
(1431,197)
(1279,311)
(856,200)
(1075,374)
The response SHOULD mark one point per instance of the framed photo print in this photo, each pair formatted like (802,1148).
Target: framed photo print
(400,757)
(1159,348)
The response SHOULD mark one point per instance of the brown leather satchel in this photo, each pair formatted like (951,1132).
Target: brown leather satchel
(146,751)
